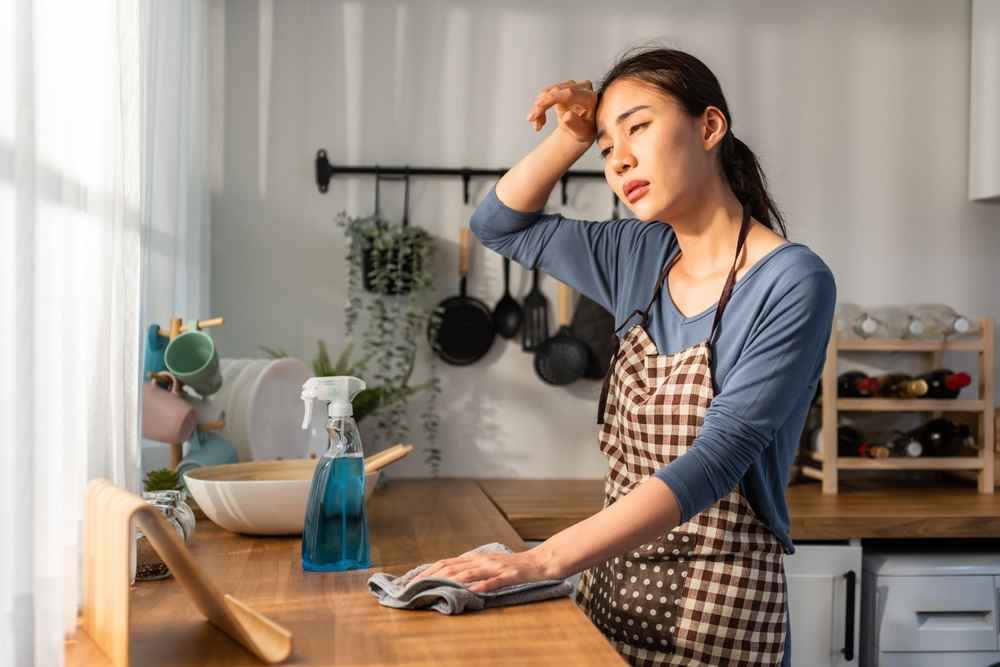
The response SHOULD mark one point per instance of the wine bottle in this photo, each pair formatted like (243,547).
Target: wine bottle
(851,442)
(896,322)
(900,385)
(942,321)
(945,383)
(852,321)
(855,384)
(943,437)
(905,444)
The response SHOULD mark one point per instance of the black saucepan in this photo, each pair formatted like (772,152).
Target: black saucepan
(563,358)
(465,332)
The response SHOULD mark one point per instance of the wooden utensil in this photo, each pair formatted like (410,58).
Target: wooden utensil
(384,458)
(108,536)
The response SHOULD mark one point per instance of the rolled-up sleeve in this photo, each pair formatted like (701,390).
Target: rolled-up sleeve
(782,358)
(584,254)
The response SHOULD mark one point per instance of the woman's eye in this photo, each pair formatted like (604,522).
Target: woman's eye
(604,153)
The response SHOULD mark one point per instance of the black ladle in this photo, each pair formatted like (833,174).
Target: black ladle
(507,314)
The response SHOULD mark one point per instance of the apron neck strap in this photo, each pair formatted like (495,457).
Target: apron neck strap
(723,300)
(644,313)
(727,291)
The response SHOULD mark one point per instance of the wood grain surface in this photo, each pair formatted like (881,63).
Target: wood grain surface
(537,509)
(333,617)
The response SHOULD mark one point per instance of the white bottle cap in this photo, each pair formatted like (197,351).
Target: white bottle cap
(335,390)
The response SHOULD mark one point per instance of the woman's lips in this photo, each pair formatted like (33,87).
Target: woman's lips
(637,193)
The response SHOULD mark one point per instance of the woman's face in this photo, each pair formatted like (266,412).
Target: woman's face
(648,136)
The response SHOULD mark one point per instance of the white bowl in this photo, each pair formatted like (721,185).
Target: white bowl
(260,497)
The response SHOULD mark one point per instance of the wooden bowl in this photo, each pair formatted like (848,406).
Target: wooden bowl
(259,497)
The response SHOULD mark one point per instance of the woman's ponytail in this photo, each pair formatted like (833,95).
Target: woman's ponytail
(748,182)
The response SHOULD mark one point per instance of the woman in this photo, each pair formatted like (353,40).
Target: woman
(725,329)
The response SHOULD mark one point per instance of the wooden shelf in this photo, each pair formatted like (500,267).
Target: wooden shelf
(916,405)
(907,345)
(982,465)
(921,463)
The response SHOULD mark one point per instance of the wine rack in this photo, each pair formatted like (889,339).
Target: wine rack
(981,465)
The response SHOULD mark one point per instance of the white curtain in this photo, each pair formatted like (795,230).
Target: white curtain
(103,219)
(181,71)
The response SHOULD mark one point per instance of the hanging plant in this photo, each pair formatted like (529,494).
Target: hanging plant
(395,260)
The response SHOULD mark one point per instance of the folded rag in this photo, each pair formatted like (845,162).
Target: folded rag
(451,597)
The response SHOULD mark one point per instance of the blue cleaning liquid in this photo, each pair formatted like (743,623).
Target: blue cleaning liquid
(335,536)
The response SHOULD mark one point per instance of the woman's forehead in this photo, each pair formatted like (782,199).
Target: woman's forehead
(626,94)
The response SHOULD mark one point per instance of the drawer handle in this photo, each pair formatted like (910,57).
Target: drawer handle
(951,619)
(848,649)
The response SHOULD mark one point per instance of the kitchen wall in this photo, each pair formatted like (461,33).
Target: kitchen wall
(858,112)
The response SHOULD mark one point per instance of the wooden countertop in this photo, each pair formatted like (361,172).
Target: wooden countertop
(538,509)
(333,617)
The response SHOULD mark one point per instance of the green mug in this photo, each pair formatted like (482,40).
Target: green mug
(192,357)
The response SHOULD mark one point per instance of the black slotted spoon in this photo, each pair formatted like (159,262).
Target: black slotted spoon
(507,314)
(535,330)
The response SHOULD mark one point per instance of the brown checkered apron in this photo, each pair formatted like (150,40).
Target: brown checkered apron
(712,590)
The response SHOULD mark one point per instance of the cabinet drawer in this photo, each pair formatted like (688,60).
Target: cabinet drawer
(937,613)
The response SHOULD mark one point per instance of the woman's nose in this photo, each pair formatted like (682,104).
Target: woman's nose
(621,161)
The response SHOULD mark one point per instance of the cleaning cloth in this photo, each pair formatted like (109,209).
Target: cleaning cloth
(451,597)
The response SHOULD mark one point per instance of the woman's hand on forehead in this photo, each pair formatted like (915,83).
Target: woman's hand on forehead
(575,103)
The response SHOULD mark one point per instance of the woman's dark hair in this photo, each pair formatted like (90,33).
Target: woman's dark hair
(689,80)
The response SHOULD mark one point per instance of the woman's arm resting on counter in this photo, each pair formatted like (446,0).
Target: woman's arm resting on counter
(648,511)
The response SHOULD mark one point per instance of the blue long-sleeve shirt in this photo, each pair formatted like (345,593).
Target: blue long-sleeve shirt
(766,361)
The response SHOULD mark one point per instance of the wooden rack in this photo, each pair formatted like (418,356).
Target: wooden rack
(983,465)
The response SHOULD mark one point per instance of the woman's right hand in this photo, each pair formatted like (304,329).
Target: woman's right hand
(575,103)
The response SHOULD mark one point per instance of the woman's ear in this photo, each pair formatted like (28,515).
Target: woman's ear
(714,127)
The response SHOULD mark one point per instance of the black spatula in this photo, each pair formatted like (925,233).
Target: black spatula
(535,328)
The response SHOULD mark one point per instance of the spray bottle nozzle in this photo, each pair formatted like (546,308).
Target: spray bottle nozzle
(335,390)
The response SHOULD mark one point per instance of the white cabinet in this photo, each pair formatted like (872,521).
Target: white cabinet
(984,101)
(824,602)
(925,610)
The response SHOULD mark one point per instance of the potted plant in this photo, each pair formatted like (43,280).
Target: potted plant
(379,245)
(395,312)
(395,316)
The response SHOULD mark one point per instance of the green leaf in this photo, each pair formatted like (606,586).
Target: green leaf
(162,479)
(273,353)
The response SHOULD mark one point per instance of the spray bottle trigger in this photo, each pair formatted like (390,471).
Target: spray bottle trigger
(308,412)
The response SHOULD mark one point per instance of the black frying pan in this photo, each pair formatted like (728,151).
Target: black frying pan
(465,333)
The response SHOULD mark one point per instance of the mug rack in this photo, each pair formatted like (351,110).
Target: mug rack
(177,327)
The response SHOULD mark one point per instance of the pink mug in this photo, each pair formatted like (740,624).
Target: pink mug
(166,417)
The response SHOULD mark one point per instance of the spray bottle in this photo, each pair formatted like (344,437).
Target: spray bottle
(335,536)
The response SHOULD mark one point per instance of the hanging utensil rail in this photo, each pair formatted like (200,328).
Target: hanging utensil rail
(325,170)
